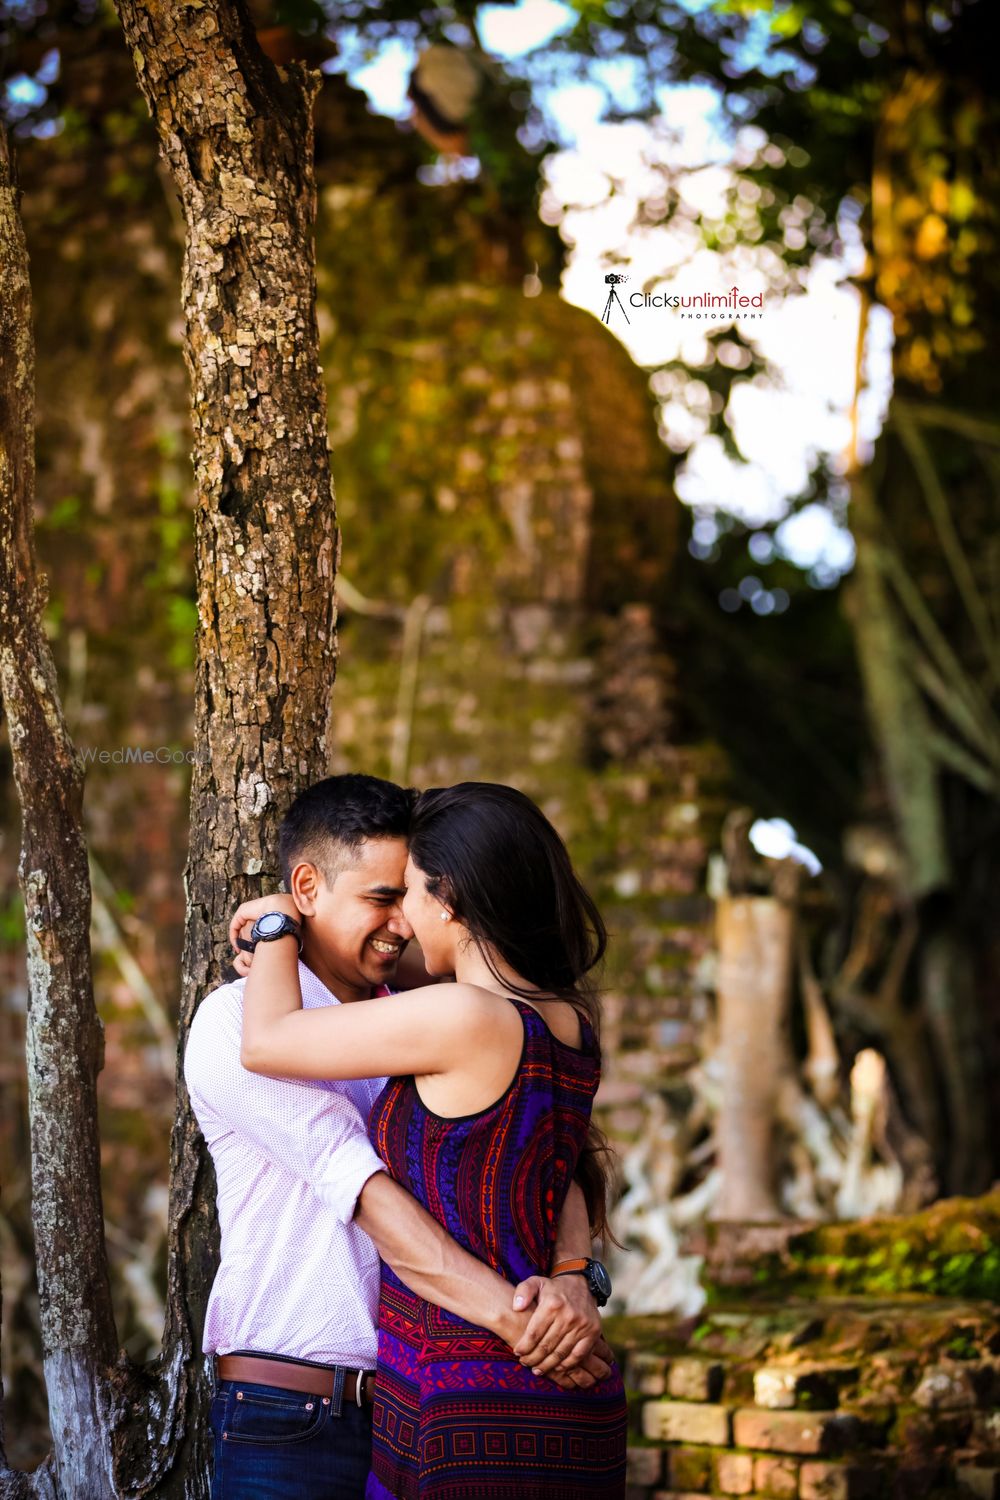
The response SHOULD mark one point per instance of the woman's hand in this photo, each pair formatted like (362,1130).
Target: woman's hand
(243,918)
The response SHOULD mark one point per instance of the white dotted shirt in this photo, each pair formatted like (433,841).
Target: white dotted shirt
(297,1276)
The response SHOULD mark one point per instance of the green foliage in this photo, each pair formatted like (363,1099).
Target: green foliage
(123,125)
(169,582)
(951,1249)
(127,187)
(12,927)
(63,516)
(305,16)
(182,620)
(53,616)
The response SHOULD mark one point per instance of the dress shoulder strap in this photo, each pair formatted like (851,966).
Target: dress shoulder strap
(536,1027)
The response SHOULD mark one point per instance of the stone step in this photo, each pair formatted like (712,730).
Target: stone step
(826,1481)
(734,1473)
(812,1387)
(647,1373)
(644,1466)
(776,1477)
(687,1422)
(825,1400)
(693,1379)
(958,1386)
(981,1481)
(807,1433)
(689,1468)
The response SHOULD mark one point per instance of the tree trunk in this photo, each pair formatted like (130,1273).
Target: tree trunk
(64,1036)
(921,602)
(898,715)
(756,938)
(236,135)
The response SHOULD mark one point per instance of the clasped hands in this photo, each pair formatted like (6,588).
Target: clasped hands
(563,1338)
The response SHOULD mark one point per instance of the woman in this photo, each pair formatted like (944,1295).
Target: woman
(486,1120)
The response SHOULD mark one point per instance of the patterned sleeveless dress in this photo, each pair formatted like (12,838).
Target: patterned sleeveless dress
(455,1415)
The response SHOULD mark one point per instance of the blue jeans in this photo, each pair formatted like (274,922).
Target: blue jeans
(272,1444)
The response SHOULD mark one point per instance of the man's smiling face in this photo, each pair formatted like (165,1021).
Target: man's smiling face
(358,929)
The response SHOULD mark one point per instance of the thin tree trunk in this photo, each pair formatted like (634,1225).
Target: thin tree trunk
(896,707)
(64,1036)
(756,939)
(236,135)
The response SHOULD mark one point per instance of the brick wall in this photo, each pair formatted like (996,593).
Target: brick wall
(820,1401)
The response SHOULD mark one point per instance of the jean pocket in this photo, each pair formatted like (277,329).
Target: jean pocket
(217,1413)
(254,1417)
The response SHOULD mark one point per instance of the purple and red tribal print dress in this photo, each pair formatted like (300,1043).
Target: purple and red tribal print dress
(456,1416)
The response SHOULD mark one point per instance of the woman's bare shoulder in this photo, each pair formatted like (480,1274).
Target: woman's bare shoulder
(472,998)
(457,998)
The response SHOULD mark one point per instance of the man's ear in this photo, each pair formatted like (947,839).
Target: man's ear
(304,886)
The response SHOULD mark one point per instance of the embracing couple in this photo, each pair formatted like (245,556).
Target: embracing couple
(408,1186)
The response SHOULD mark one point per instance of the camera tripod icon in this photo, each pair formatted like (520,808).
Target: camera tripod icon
(613,280)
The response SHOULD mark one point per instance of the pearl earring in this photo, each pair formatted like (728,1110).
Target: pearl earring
(446,916)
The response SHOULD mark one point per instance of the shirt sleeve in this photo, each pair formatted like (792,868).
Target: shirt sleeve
(312,1132)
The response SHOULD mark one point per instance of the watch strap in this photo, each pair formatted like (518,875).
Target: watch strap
(571,1267)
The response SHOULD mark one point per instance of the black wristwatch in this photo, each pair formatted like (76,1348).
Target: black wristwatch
(595,1275)
(273,925)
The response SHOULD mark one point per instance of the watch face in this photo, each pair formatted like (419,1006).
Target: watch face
(600,1282)
(271,922)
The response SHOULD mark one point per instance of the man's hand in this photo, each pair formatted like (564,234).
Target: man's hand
(241,963)
(563,1337)
(513,1326)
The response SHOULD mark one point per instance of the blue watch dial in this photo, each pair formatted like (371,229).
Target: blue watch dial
(272,922)
(275,924)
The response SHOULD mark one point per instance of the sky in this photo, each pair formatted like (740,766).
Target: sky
(810,338)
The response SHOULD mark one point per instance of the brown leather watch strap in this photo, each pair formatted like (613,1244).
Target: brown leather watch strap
(568,1267)
(306,1380)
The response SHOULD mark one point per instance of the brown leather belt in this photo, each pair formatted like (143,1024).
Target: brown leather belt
(307,1380)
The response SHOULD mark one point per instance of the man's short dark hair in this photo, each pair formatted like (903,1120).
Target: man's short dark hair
(327,823)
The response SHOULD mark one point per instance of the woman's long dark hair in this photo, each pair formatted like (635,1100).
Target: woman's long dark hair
(496,860)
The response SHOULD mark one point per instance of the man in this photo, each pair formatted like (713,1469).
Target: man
(305,1205)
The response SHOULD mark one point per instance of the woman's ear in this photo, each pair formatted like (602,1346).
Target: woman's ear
(444,893)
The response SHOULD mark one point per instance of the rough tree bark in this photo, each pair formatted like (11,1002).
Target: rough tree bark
(236,135)
(64,1037)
